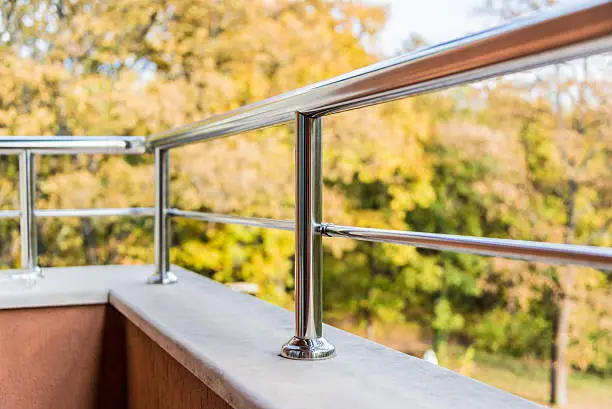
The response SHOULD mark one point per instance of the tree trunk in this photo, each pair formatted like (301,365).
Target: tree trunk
(561,323)
(560,342)
(89,242)
(89,233)
(370,329)
(369,314)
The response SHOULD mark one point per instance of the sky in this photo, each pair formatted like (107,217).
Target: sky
(435,20)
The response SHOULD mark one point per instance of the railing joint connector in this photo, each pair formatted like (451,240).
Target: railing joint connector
(323,229)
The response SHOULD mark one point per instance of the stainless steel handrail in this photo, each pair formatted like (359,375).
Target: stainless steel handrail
(240,220)
(558,34)
(590,256)
(27,203)
(10,214)
(54,145)
(26,147)
(97,212)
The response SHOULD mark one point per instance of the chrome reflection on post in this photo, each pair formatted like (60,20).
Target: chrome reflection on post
(28,231)
(308,342)
(162,275)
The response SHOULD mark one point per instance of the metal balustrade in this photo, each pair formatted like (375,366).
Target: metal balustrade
(554,36)
(26,147)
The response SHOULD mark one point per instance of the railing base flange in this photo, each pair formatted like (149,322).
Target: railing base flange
(27,277)
(312,349)
(169,278)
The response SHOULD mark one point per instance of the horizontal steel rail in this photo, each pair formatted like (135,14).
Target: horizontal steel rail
(129,211)
(590,256)
(9,214)
(240,220)
(559,34)
(55,145)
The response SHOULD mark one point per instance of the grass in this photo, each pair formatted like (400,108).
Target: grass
(528,378)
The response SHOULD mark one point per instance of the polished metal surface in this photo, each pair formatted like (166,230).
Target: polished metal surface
(162,274)
(558,34)
(590,256)
(310,349)
(27,200)
(19,279)
(308,342)
(129,211)
(47,145)
(240,220)
(9,214)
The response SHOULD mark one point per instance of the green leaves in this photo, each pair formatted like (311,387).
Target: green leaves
(501,161)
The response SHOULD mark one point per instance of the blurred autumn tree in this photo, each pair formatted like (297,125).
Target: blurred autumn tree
(139,67)
(501,160)
(562,128)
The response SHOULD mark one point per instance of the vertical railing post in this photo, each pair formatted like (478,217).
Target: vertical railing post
(162,274)
(308,342)
(27,200)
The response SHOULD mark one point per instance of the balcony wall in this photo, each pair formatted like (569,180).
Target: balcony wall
(52,355)
(98,337)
